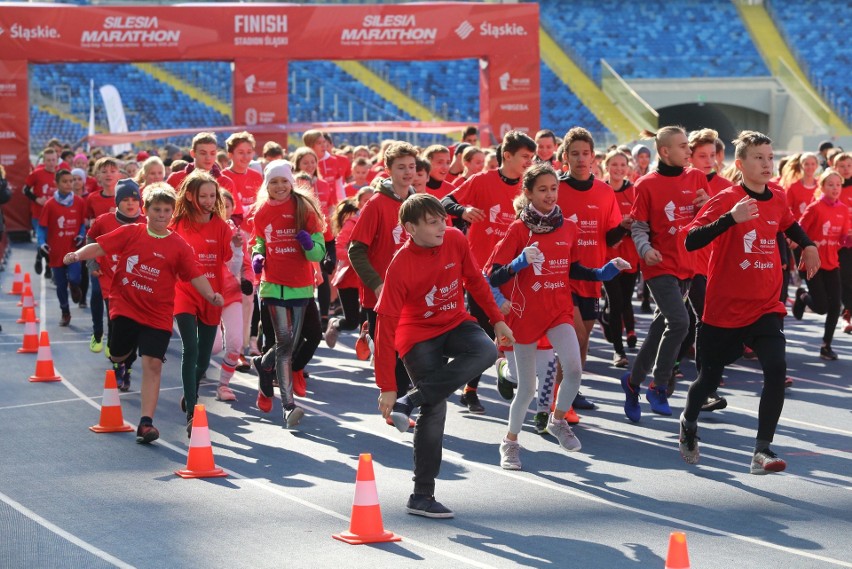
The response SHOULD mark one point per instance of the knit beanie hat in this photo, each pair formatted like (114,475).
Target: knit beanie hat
(126,188)
(279,169)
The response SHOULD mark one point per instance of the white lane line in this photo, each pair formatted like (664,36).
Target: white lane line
(64,534)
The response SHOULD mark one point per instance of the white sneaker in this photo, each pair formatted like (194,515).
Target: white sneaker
(332,332)
(293,416)
(563,433)
(224,393)
(510,455)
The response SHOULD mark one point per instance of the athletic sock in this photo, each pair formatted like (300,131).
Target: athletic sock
(546,374)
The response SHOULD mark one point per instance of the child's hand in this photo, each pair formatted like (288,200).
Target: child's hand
(745,210)
(237,239)
(304,239)
(257,263)
(503,334)
(505,308)
(70,258)
(217,299)
(810,261)
(387,399)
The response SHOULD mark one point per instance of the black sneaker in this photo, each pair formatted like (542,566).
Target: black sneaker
(688,444)
(48,273)
(505,388)
(146,433)
(714,402)
(76,293)
(427,506)
(39,264)
(631,340)
(799,304)
(471,400)
(401,412)
(264,377)
(120,370)
(540,422)
(826,353)
(65,320)
(580,402)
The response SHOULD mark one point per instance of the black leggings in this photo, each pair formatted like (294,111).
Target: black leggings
(845,256)
(719,347)
(695,308)
(824,298)
(324,297)
(619,293)
(352,317)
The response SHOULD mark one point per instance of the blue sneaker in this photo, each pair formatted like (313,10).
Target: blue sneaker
(656,396)
(631,399)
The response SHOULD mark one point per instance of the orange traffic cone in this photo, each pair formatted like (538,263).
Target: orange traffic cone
(199,462)
(111,420)
(678,556)
(44,362)
(18,283)
(27,303)
(30,344)
(365,523)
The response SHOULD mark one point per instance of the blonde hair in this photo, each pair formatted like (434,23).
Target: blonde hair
(828,173)
(662,136)
(146,167)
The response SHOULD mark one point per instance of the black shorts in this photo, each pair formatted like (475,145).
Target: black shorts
(128,335)
(589,307)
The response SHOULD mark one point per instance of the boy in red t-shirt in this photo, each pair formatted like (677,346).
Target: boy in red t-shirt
(421,316)
(204,152)
(60,229)
(247,181)
(39,187)
(439,166)
(151,261)
(378,234)
(743,290)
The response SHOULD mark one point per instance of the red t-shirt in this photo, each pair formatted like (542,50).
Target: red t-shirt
(352,188)
(175,178)
(701,257)
(798,197)
(595,211)
(344,275)
(444,189)
(43,184)
(330,169)
(211,244)
(540,294)
(379,229)
(92,186)
(423,297)
(63,224)
(104,224)
(98,204)
(487,191)
(744,278)
(665,203)
(246,186)
(826,224)
(625,197)
(147,273)
(286,263)
(326,196)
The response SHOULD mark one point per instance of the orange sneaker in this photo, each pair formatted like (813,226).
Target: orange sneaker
(362,345)
(572,417)
(264,403)
(299,384)
(411,423)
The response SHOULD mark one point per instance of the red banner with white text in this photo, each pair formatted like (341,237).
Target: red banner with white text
(14,140)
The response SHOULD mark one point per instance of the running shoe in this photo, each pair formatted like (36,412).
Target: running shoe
(76,293)
(225,393)
(564,434)
(620,360)
(300,386)
(120,370)
(332,332)
(146,433)
(788,381)
(242,364)
(96,345)
(631,339)
(510,455)
(293,416)
(39,264)
(65,320)
(766,462)
(631,399)
(427,506)
(505,387)
(540,422)
(411,422)
(714,402)
(471,400)
(401,413)
(580,402)
(572,417)
(748,353)
(799,304)
(656,396)
(826,353)
(362,344)
(688,444)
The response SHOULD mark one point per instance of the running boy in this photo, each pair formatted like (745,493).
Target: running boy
(151,260)
(421,317)
(743,291)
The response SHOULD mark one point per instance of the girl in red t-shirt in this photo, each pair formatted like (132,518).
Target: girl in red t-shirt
(533,265)
(826,221)
(344,277)
(288,234)
(199,219)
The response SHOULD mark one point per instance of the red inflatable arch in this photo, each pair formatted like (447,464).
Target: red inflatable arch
(260,39)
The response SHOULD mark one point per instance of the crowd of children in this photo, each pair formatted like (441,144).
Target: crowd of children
(448,260)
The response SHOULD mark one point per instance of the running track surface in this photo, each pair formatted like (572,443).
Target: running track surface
(71,498)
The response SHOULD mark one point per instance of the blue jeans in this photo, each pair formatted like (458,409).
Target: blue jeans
(97,305)
(470,352)
(62,276)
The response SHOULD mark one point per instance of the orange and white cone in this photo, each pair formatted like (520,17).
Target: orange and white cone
(30,344)
(111,420)
(27,303)
(199,462)
(365,523)
(678,556)
(44,362)
(18,283)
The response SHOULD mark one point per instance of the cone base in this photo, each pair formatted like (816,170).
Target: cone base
(37,379)
(119,429)
(215,473)
(355,539)
(22,321)
(27,350)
